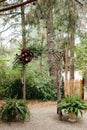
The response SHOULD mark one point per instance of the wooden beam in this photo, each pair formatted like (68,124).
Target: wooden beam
(16,5)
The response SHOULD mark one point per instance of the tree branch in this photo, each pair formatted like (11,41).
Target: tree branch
(7,28)
(2,0)
(79,2)
(16,5)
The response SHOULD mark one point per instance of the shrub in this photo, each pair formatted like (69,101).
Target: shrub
(14,110)
(42,88)
(39,85)
(15,89)
(11,88)
(10,84)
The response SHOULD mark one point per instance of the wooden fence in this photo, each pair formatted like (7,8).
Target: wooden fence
(73,87)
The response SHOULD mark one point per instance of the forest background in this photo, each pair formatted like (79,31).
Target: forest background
(58,26)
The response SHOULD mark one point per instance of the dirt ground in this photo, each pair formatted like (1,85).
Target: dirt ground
(44,117)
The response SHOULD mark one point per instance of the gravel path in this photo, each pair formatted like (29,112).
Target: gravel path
(46,119)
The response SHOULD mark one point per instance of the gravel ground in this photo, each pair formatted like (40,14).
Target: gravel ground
(45,118)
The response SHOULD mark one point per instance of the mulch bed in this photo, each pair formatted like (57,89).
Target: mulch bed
(35,103)
(38,104)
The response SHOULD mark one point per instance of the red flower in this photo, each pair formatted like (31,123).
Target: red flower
(26,56)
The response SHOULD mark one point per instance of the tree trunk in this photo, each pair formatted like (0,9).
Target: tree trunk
(72,26)
(42,42)
(24,83)
(54,63)
(23,27)
(51,59)
(24,46)
(66,63)
(72,55)
(59,96)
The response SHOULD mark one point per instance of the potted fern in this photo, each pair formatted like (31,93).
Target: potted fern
(14,110)
(73,106)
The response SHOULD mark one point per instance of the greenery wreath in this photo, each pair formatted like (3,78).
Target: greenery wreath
(27,54)
(25,57)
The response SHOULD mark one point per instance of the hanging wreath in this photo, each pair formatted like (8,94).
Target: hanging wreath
(25,57)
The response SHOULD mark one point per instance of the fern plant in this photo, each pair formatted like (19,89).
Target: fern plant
(73,104)
(14,110)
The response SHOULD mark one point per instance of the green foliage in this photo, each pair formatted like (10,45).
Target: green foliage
(3,67)
(11,88)
(37,49)
(14,110)
(81,56)
(10,84)
(72,104)
(39,85)
(42,89)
